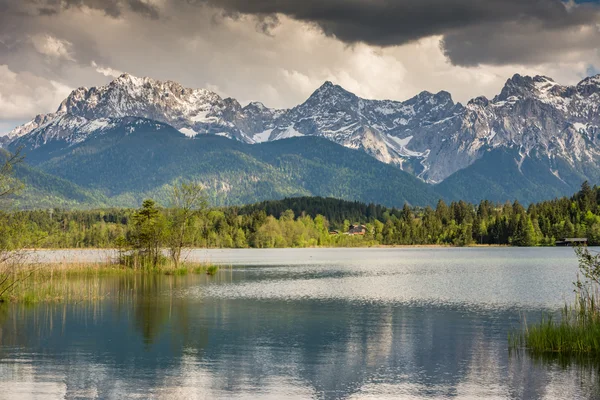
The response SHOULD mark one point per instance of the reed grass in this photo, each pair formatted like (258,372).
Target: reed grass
(573,334)
(77,282)
(576,331)
(212,270)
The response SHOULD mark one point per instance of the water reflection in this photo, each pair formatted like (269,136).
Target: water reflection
(186,337)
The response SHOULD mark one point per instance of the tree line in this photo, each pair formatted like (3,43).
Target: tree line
(305,222)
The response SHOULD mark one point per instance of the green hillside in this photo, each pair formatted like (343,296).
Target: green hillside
(143,159)
(497,177)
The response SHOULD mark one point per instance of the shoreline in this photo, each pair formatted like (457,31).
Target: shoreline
(379,246)
(255,256)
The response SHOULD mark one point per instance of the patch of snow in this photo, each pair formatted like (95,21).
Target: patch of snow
(387,109)
(426,168)
(544,85)
(247,139)
(579,127)
(96,125)
(556,174)
(188,132)
(409,109)
(290,132)
(201,117)
(224,134)
(345,128)
(520,162)
(262,137)
(399,146)
(260,106)
(402,142)
(441,121)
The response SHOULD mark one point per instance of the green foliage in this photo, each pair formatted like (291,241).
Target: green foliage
(568,337)
(187,201)
(336,211)
(212,270)
(306,222)
(9,185)
(578,331)
(148,235)
(12,271)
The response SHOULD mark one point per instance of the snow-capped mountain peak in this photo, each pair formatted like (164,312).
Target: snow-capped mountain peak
(330,92)
(428,135)
(589,86)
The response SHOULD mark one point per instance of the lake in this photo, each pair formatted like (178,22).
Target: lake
(408,323)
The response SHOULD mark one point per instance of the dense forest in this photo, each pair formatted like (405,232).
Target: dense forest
(309,221)
(121,168)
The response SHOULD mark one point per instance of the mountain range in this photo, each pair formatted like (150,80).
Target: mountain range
(535,140)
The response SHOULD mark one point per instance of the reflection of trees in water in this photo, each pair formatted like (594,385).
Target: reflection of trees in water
(154,336)
(156,307)
(146,301)
(151,312)
(151,303)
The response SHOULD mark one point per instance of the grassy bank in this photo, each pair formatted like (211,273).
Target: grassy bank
(576,331)
(77,282)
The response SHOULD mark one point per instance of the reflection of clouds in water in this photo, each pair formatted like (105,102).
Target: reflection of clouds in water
(359,331)
(20,380)
(195,381)
(191,379)
(476,290)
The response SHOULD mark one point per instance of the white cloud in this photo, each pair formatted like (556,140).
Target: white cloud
(232,57)
(23,95)
(106,71)
(52,47)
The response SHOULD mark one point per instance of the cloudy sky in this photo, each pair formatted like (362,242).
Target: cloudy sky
(279,51)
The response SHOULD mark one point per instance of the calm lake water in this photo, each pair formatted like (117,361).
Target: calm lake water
(315,323)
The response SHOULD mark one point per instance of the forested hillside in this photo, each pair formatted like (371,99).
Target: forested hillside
(141,159)
(41,190)
(501,171)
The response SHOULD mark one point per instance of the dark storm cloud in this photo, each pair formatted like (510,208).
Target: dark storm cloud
(140,7)
(513,43)
(474,30)
(392,22)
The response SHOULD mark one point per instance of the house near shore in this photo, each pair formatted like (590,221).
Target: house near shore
(357,230)
(572,242)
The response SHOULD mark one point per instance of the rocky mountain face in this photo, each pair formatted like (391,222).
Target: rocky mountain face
(428,135)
